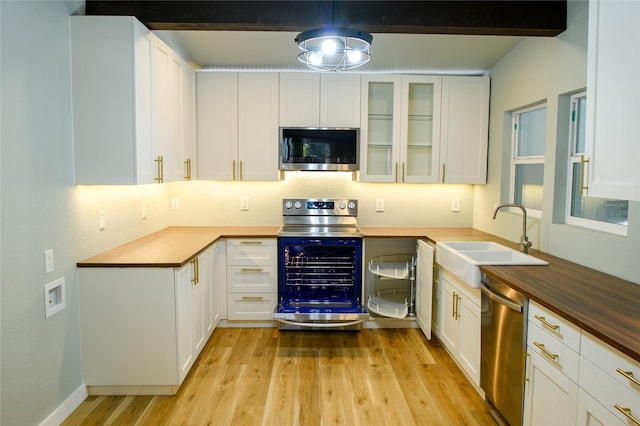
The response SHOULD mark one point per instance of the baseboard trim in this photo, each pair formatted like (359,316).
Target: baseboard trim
(66,408)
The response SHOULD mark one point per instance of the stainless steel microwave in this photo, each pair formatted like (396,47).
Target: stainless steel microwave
(314,148)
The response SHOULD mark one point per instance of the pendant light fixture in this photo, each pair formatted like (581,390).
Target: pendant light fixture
(334,48)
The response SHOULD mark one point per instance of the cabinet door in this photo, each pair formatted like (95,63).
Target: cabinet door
(420,129)
(448,320)
(464,131)
(217,125)
(469,338)
(340,100)
(613,105)
(174,166)
(551,398)
(380,128)
(184,319)
(189,146)
(258,126)
(424,287)
(592,413)
(299,99)
(160,112)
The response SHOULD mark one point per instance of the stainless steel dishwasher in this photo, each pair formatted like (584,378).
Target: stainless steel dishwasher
(503,348)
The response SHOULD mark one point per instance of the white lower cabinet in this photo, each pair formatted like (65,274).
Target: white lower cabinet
(142,328)
(459,323)
(252,278)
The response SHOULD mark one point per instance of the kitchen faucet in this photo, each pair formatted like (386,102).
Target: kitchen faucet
(524,241)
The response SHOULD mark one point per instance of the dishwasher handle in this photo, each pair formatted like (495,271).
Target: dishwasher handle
(499,299)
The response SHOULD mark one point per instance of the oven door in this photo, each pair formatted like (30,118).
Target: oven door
(320,282)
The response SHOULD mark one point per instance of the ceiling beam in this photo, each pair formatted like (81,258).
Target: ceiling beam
(513,18)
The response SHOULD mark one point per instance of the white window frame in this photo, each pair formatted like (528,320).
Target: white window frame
(517,160)
(574,157)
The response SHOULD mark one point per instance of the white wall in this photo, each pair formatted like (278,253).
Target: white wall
(541,69)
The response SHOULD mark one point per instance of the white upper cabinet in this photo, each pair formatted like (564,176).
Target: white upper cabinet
(613,106)
(400,134)
(424,129)
(127,103)
(237,126)
(324,100)
(464,129)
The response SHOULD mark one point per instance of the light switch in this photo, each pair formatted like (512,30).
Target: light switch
(102,219)
(379,204)
(455,204)
(48,261)
(244,203)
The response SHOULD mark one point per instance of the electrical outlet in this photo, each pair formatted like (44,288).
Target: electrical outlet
(175,203)
(244,203)
(379,204)
(102,219)
(455,204)
(48,261)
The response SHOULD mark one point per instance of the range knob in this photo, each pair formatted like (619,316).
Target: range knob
(342,206)
(352,205)
(288,204)
(297,205)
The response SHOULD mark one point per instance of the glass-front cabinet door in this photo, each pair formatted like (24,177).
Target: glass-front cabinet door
(420,129)
(400,128)
(380,131)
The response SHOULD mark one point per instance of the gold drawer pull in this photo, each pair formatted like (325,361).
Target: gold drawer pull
(254,270)
(628,375)
(252,298)
(256,243)
(546,323)
(627,413)
(545,351)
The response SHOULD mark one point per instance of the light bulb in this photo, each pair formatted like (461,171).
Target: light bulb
(354,55)
(329,47)
(316,57)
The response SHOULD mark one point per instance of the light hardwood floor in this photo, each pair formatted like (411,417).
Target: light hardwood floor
(262,376)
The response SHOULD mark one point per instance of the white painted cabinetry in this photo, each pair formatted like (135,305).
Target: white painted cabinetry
(459,323)
(252,278)
(424,287)
(319,100)
(613,107)
(551,391)
(142,328)
(128,95)
(237,126)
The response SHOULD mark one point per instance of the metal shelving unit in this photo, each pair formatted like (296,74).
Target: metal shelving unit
(391,300)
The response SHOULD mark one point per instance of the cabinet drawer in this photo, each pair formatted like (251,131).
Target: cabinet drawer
(251,251)
(251,306)
(608,392)
(615,364)
(259,278)
(562,357)
(555,326)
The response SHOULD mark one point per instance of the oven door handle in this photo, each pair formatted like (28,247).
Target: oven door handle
(322,324)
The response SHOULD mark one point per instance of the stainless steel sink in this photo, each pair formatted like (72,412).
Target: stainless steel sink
(464,258)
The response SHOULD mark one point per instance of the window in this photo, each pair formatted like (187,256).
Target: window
(527,165)
(582,210)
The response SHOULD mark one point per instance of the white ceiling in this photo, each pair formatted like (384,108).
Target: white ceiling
(426,53)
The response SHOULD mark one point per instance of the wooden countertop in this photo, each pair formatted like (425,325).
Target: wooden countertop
(173,246)
(603,305)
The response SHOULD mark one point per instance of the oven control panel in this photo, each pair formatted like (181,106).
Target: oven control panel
(319,207)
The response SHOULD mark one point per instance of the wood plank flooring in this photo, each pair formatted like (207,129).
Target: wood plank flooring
(263,376)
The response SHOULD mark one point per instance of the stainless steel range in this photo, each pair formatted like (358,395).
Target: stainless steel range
(320,265)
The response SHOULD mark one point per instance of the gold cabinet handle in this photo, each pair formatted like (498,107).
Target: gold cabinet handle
(583,187)
(453,304)
(159,169)
(403,172)
(524,366)
(396,172)
(251,270)
(240,169)
(252,298)
(545,351)
(456,306)
(233,170)
(187,169)
(627,412)
(443,173)
(196,272)
(546,323)
(628,375)
(251,243)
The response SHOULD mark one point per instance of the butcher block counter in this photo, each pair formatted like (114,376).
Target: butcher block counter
(603,305)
